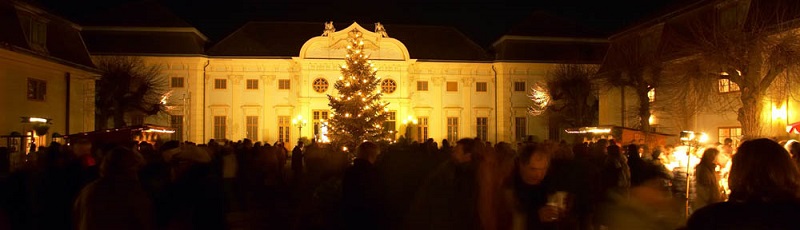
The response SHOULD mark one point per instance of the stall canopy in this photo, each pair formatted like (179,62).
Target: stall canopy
(793,128)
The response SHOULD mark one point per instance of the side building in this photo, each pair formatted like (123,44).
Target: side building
(47,77)
(679,99)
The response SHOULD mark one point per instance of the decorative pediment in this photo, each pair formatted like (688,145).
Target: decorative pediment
(333,43)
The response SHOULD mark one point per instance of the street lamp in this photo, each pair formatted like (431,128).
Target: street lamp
(691,138)
(408,122)
(299,122)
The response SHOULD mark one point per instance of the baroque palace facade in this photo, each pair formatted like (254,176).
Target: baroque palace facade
(265,78)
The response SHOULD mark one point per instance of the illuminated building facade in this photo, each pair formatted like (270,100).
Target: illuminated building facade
(268,81)
(665,36)
(47,76)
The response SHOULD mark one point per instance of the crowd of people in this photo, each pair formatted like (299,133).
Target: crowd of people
(470,184)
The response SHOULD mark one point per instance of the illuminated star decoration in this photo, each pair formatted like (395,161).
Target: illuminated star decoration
(165,99)
(540,98)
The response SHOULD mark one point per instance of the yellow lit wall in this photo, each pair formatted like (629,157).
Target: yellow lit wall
(16,68)
(318,60)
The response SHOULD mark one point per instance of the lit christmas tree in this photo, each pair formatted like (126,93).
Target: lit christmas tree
(358,113)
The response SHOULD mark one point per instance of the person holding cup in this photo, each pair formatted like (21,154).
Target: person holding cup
(537,203)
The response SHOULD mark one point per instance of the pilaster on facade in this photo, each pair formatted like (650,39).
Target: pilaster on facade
(235,79)
(437,81)
(267,81)
(468,81)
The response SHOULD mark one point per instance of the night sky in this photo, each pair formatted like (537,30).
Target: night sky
(483,21)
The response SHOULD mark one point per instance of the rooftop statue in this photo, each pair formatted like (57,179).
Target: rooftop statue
(328,29)
(380,30)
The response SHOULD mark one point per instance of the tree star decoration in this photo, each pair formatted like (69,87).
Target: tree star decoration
(540,98)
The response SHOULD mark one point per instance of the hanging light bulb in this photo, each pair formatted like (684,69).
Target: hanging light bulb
(347,84)
(364,81)
(347,115)
(341,78)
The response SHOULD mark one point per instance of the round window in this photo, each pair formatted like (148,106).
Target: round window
(388,86)
(320,85)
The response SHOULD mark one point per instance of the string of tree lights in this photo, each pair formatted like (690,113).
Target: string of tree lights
(358,112)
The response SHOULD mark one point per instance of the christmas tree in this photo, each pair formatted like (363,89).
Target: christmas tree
(358,113)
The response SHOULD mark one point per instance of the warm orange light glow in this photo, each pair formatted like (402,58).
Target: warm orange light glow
(703,138)
(778,112)
(36,119)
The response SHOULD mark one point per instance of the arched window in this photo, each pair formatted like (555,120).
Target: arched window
(388,86)
(320,85)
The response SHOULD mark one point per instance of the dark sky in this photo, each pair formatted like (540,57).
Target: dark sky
(483,21)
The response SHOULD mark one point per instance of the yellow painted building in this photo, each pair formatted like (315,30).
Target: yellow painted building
(46,72)
(261,79)
(665,35)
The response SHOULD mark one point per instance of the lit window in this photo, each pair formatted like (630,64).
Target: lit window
(452,86)
(318,117)
(252,128)
(176,122)
(521,128)
(283,129)
(422,129)
(480,87)
(734,133)
(36,89)
(284,84)
(388,86)
(726,85)
(651,95)
(452,129)
(220,83)
(422,85)
(390,123)
(482,127)
(252,83)
(519,86)
(219,127)
(320,85)
(176,82)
